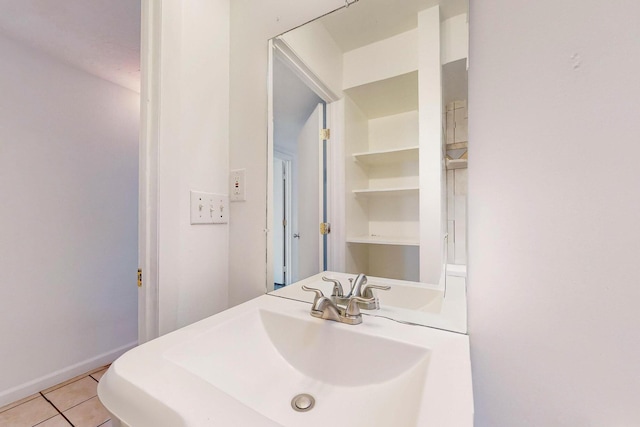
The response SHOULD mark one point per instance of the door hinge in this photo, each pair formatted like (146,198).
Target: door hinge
(139,277)
(284,222)
(325,133)
(325,228)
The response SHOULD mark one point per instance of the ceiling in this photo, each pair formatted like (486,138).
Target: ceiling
(293,103)
(101,37)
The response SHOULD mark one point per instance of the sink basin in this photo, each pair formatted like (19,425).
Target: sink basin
(281,356)
(244,366)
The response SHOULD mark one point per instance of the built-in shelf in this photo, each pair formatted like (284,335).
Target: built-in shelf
(381,157)
(394,95)
(457,145)
(404,191)
(384,240)
(456,163)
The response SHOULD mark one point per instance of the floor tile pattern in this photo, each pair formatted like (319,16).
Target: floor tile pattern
(73,403)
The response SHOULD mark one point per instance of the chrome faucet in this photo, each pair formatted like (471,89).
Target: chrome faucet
(360,288)
(356,287)
(337,287)
(325,308)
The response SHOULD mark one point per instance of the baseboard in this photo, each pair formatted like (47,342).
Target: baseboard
(44,382)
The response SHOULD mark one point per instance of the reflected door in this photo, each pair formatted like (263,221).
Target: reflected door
(281,209)
(308,246)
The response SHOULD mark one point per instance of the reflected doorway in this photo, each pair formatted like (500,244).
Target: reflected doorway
(282,236)
(298,178)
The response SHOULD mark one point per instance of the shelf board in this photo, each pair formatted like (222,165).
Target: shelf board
(403,191)
(456,163)
(380,157)
(386,97)
(384,240)
(457,145)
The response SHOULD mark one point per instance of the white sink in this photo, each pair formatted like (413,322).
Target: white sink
(243,367)
(280,356)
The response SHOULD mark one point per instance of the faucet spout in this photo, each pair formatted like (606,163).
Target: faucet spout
(326,309)
(356,289)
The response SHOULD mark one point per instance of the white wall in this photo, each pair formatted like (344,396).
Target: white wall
(554,203)
(68,221)
(253,22)
(455,38)
(314,46)
(193,155)
(364,65)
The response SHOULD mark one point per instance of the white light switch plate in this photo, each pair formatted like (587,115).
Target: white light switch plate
(209,208)
(220,211)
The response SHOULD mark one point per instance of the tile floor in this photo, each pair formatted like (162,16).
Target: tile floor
(72,403)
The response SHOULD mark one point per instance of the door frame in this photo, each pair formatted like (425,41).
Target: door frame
(288,160)
(278,48)
(150,70)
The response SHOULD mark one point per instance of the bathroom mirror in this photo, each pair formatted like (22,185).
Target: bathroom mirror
(368,153)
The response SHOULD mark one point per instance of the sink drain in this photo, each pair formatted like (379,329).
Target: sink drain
(303,402)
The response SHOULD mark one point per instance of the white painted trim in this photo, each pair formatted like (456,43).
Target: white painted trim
(321,120)
(336,242)
(283,51)
(61,375)
(148,309)
(270,146)
(431,158)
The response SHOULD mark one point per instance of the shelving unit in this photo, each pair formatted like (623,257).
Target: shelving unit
(382,188)
(393,137)
(456,134)
(456,125)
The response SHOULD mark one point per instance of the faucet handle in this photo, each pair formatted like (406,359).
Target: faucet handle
(337,286)
(319,301)
(353,309)
(372,302)
(366,289)
(318,292)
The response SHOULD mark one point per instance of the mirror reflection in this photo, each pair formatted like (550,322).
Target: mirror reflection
(368,154)
(298,177)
